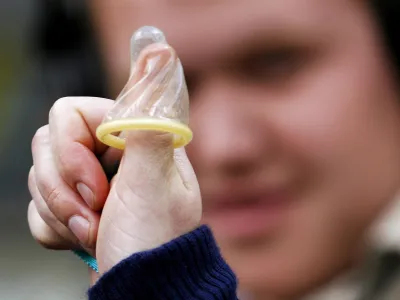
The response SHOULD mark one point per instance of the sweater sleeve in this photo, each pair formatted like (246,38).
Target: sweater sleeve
(188,267)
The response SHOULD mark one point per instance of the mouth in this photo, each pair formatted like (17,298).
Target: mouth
(247,216)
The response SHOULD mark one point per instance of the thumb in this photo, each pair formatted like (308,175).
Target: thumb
(147,163)
(137,200)
(155,197)
(151,163)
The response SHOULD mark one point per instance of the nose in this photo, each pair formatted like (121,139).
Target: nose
(228,141)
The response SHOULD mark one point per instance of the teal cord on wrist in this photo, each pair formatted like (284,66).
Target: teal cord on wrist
(87,259)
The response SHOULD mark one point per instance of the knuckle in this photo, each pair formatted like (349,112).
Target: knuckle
(59,106)
(43,240)
(31,173)
(37,226)
(50,193)
(31,179)
(47,241)
(42,233)
(41,135)
(52,197)
(42,211)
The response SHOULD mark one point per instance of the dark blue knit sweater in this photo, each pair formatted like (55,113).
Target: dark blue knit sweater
(189,267)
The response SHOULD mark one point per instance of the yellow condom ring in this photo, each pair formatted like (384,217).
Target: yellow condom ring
(182,133)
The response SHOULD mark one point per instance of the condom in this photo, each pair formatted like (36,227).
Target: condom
(155,96)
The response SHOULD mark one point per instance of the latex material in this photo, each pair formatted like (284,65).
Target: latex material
(155,96)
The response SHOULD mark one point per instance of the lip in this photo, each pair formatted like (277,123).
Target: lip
(247,216)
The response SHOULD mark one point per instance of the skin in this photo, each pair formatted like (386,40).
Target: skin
(296,122)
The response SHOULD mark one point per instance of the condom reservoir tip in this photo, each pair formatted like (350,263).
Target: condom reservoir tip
(155,96)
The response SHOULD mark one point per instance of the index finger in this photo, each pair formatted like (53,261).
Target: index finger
(76,150)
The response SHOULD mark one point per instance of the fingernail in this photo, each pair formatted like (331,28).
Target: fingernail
(80,228)
(85,193)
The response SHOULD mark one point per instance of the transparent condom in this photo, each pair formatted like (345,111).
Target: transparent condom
(155,96)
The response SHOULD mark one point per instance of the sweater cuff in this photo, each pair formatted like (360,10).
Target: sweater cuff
(188,267)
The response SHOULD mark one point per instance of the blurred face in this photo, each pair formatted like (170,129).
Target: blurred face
(296,126)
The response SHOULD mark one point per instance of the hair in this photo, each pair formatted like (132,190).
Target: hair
(67,48)
(387,13)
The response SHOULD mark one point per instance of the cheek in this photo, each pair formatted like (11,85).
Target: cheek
(344,129)
(343,119)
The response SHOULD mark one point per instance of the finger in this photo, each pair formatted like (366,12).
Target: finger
(78,118)
(50,219)
(73,123)
(147,163)
(65,203)
(110,161)
(47,216)
(43,233)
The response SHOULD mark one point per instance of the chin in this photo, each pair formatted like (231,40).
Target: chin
(275,273)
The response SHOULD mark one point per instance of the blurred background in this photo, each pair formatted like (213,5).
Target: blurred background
(47,51)
(45,54)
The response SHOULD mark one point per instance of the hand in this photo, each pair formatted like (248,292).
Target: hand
(153,198)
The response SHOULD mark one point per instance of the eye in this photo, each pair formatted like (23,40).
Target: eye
(274,66)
